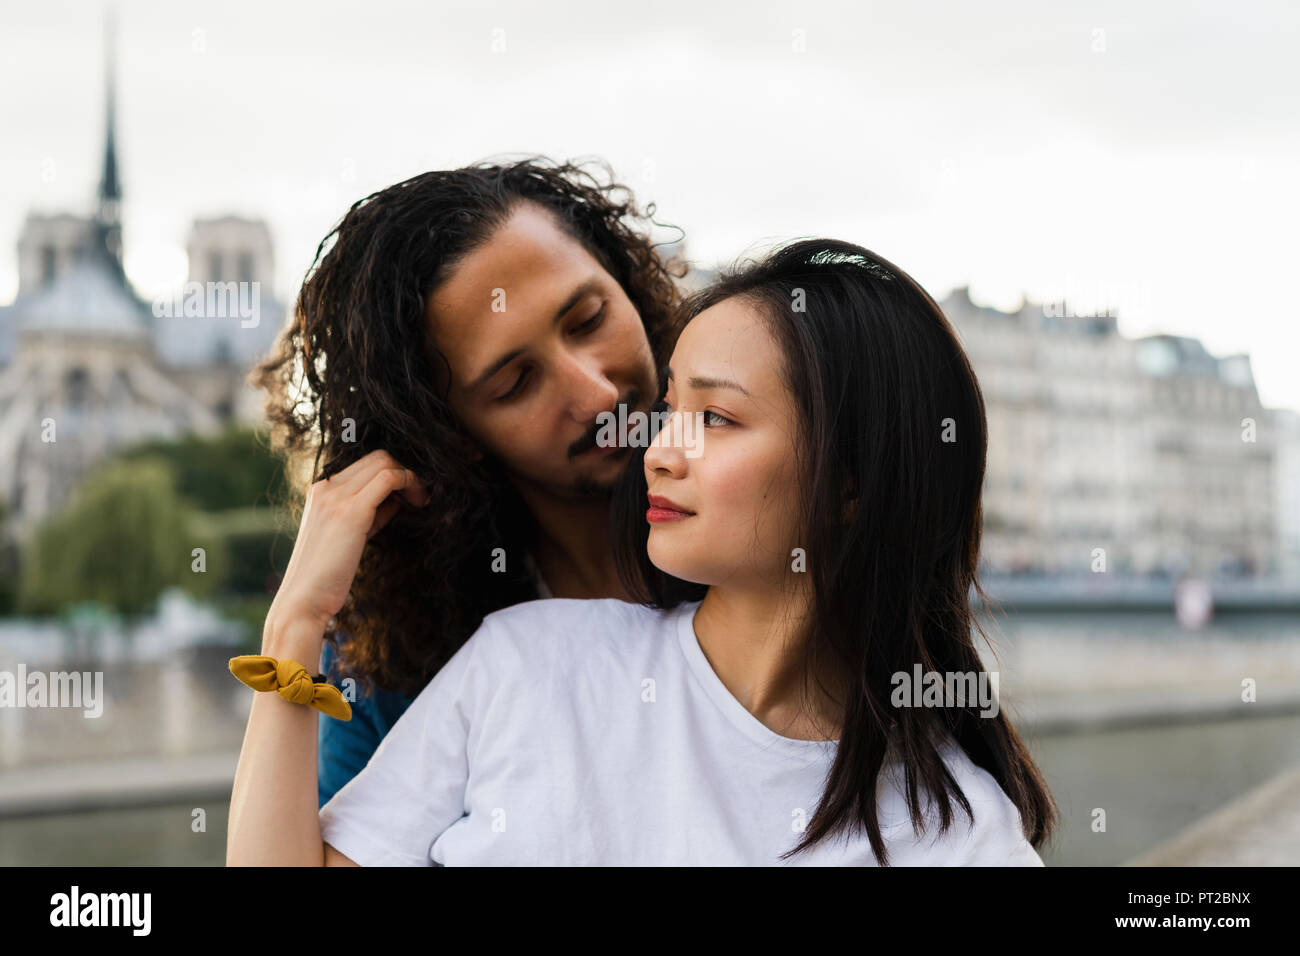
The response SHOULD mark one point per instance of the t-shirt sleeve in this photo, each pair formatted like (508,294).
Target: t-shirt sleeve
(413,787)
(995,838)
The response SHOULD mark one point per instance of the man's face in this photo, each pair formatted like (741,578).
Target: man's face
(540,340)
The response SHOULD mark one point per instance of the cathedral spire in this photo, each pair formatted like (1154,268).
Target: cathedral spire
(108,225)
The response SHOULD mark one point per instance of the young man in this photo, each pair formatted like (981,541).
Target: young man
(453,350)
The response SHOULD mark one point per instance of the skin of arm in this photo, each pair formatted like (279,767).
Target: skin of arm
(274,817)
(273,814)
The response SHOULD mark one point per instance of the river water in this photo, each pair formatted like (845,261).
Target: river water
(1151,781)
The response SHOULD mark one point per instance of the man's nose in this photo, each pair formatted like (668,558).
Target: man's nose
(588,389)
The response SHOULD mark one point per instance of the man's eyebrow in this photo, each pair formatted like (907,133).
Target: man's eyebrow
(588,286)
(704,381)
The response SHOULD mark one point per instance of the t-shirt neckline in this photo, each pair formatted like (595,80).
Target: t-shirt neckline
(734,710)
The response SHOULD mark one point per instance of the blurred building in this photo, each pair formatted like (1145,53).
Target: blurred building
(88,367)
(674,255)
(1152,450)
(1209,452)
(1287,427)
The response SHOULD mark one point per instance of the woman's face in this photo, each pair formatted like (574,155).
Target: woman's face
(541,339)
(742,488)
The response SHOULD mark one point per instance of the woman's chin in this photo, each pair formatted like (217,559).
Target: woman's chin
(678,561)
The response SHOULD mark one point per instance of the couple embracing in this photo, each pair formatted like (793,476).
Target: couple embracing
(572,652)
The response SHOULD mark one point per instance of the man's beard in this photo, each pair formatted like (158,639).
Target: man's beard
(584,486)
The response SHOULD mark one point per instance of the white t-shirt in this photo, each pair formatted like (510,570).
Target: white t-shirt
(595,732)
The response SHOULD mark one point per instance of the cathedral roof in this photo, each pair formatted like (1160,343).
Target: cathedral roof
(88,297)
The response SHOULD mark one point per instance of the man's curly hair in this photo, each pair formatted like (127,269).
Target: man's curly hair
(353,372)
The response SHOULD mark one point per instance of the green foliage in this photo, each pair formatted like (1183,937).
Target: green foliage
(250,612)
(8,566)
(133,527)
(125,537)
(235,469)
(253,549)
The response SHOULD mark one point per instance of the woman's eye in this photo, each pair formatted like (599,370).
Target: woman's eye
(711,418)
(591,323)
(721,419)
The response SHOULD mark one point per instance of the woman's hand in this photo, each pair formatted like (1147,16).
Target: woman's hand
(273,813)
(340,516)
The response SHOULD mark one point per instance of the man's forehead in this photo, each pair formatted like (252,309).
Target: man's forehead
(509,284)
(535,297)
(530,245)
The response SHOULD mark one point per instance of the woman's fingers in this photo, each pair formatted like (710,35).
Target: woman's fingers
(361,471)
(398,482)
(338,519)
(354,479)
(384,514)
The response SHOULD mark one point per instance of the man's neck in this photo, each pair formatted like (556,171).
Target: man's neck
(573,549)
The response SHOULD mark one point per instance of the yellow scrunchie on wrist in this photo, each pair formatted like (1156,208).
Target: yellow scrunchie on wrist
(291,681)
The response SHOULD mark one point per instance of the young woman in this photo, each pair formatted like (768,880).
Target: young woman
(822,543)
(465,329)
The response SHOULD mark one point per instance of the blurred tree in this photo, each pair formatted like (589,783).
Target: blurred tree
(254,548)
(123,539)
(8,565)
(234,469)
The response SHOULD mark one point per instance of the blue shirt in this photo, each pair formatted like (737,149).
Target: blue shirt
(346,746)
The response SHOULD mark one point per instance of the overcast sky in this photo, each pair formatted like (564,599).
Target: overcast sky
(1143,156)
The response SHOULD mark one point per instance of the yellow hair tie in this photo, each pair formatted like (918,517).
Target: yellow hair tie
(292,682)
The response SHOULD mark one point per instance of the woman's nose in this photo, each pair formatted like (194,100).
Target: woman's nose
(667,450)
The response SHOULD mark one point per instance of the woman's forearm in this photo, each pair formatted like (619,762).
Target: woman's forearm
(273,813)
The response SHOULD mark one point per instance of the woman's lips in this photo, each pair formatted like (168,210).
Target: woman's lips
(656,515)
(662,509)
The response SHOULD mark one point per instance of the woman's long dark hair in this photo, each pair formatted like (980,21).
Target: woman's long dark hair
(892,455)
(354,371)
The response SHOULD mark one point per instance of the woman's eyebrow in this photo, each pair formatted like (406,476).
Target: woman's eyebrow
(705,381)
